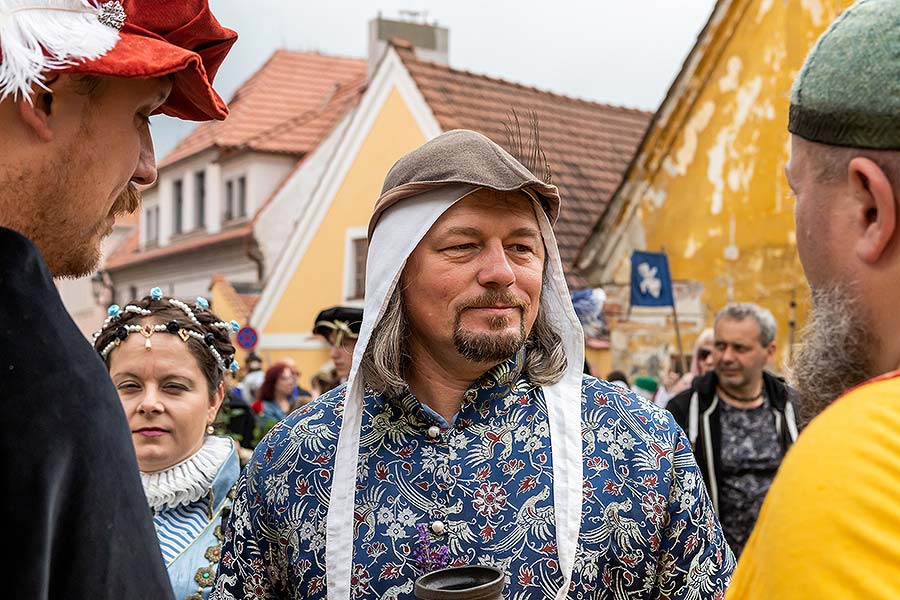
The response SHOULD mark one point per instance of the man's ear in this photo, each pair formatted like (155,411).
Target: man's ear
(875,211)
(35,112)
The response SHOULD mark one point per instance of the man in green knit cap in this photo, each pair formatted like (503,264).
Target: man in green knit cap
(830,525)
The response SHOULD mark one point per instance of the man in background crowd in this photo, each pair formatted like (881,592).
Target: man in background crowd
(739,418)
(339,325)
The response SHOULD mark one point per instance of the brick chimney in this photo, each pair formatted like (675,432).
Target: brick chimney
(429,41)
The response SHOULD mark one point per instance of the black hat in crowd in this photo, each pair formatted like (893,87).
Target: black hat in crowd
(338,322)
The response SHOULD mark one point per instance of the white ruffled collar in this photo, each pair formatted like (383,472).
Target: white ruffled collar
(189,480)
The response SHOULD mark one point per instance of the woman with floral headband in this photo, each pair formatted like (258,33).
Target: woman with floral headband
(167,360)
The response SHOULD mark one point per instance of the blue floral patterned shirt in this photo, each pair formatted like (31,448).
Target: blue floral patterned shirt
(484,486)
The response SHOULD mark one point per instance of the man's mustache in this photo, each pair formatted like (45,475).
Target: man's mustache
(128,201)
(492,298)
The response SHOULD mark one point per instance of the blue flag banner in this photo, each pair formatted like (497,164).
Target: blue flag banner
(651,283)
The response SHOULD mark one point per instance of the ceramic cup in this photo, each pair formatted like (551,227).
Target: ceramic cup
(473,582)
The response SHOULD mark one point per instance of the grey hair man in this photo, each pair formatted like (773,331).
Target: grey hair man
(467,432)
(830,527)
(739,418)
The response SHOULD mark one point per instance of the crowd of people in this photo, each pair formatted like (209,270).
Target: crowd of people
(262,397)
(457,425)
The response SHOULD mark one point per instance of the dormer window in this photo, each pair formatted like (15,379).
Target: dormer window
(177,206)
(236,198)
(152,225)
(200,199)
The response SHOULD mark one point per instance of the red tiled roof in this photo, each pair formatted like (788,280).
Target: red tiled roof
(129,253)
(288,106)
(588,144)
(241,303)
(249,301)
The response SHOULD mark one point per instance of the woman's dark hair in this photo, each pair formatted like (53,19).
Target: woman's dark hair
(617,376)
(266,392)
(161,313)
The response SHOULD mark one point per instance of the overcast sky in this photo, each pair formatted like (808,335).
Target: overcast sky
(623,52)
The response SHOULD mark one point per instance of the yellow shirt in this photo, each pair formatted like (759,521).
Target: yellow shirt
(830,524)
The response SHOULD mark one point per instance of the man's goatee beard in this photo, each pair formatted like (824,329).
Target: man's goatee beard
(836,353)
(497,344)
(485,347)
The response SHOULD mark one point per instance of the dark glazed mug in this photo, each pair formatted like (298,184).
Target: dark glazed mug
(473,582)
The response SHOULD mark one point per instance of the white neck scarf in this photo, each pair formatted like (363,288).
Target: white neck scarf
(189,480)
(397,234)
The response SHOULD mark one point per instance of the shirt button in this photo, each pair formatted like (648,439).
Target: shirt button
(434,432)
(438,527)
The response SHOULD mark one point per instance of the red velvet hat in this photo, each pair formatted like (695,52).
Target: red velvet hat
(170,37)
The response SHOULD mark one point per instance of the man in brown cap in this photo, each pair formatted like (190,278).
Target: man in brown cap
(467,432)
(830,524)
(78,83)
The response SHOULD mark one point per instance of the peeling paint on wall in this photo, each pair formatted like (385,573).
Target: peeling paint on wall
(729,82)
(815,10)
(690,248)
(764,7)
(685,153)
(731,252)
(724,147)
(739,177)
(655,196)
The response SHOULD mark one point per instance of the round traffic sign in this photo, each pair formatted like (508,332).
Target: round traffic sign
(247,337)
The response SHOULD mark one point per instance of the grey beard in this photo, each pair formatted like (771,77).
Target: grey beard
(837,350)
(484,347)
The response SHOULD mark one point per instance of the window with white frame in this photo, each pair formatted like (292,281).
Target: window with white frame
(177,206)
(356,248)
(241,194)
(151,233)
(229,200)
(200,199)
(236,198)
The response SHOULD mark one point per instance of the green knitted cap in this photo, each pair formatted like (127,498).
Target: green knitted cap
(848,91)
(646,383)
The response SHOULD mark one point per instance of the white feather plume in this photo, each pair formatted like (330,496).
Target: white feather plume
(37,36)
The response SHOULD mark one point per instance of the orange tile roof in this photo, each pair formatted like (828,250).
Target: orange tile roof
(287,106)
(241,303)
(588,144)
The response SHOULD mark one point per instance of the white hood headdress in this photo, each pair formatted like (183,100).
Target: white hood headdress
(417,191)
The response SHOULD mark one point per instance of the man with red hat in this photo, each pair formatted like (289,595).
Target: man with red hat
(79,80)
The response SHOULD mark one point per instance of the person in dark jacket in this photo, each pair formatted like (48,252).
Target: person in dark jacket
(739,418)
(78,82)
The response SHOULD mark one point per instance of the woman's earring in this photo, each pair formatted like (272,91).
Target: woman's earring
(210,429)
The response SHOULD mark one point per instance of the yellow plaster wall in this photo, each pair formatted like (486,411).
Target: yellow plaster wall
(317,282)
(712,178)
(599,360)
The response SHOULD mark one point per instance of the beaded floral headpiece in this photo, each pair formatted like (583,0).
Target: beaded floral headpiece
(208,340)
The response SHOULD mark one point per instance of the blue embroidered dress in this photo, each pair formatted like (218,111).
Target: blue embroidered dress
(189,502)
(484,485)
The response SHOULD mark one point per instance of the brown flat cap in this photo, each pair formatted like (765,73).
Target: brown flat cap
(461,157)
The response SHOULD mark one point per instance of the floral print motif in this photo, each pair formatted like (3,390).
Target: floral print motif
(648,528)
